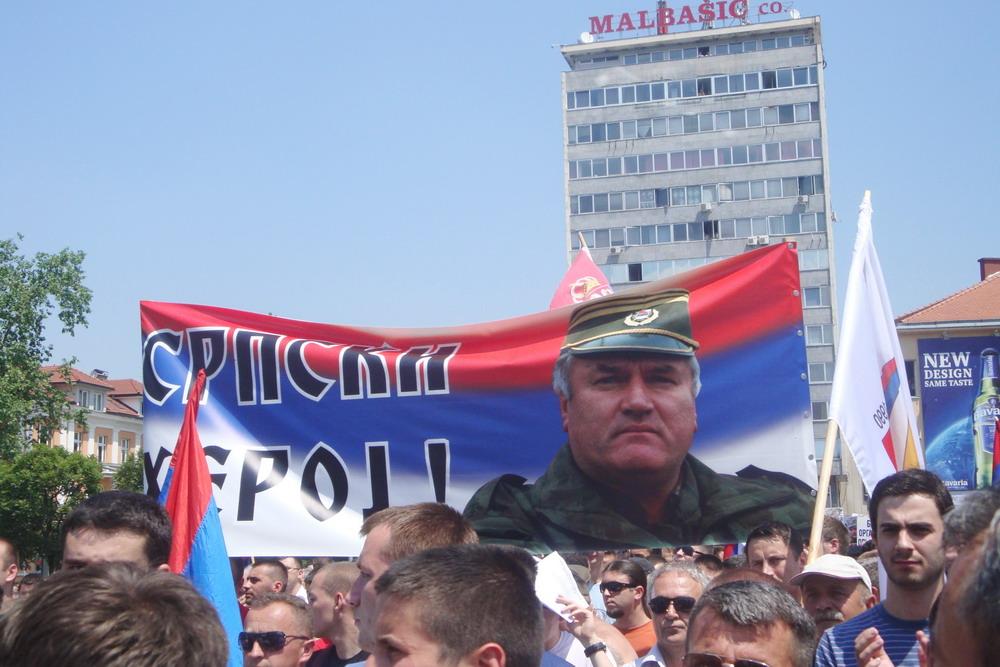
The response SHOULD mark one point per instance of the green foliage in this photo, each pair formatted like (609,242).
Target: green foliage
(128,477)
(38,489)
(31,290)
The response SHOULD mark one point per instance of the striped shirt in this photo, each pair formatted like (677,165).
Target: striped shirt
(836,648)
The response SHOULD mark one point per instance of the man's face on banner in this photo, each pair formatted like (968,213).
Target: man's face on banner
(629,414)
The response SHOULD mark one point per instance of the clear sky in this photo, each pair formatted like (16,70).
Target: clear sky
(400,164)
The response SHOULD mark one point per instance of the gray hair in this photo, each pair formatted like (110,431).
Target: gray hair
(970,518)
(560,374)
(686,568)
(750,604)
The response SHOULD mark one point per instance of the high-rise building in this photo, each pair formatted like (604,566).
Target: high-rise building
(688,147)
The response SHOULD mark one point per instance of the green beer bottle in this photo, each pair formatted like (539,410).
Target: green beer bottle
(985,410)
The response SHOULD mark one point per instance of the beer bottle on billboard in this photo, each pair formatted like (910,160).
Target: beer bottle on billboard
(985,409)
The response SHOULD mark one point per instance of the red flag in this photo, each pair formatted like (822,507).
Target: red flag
(583,281)
(996,453)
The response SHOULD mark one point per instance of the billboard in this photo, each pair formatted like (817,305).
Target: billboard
(310,427)
(959,395)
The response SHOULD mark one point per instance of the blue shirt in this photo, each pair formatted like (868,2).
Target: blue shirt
(836,647)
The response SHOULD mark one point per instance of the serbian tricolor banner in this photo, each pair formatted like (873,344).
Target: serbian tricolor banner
(198,551)
(310,427)
(870,399)
(583,281)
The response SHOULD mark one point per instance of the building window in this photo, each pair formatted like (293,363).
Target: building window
(821,372)
(77,441)
(816,297)
(83,399)
(98,402)
(813,259)
(102,445)
(820,411)
(819,334)
(124,445)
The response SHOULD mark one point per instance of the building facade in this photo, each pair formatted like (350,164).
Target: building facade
(685,148)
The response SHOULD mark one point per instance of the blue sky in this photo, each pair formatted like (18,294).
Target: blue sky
(399,164)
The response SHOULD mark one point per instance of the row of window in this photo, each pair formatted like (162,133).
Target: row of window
(786,77)
(778,151)
(776,225)
(692,195)
(90,400)
(702,51)
(662,126)
(124,446)
(619,274)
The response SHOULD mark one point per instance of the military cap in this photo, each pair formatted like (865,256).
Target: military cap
(657,323)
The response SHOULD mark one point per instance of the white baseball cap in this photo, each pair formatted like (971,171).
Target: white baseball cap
(836,566)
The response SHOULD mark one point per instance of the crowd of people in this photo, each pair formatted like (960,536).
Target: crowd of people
(425,592)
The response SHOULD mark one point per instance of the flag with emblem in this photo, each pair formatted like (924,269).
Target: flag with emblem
(583,281)
(870,400)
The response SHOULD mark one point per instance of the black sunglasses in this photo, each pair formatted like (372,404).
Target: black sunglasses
(274,640)
(712,660)
(615,587)
(682,604)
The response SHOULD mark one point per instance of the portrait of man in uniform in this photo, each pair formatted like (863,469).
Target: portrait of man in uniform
(627,380)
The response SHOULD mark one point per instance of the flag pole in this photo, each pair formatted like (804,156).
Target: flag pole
(826,470)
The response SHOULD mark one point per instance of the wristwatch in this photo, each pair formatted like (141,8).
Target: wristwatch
(594,648)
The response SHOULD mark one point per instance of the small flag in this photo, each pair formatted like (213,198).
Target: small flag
(996,454)
(583,281)
(870,399)
(198,551)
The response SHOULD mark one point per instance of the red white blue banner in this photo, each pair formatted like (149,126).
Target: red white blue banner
(309,427)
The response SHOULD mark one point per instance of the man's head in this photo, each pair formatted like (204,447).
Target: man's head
(265,576)
(459,606)
(776,549)
(752,621)
(964,624)
(835,588)
(394,533)
(673,591)
(328,590)
(626,379)
(278,632)
(906,511)
(623,586)
(835,538)
(8,567)
(969,519)
(293,566)
(117,526)
(114,615)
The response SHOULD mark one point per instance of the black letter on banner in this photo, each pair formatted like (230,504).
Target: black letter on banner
(249,487)
(378,476)
(438,458)
(335,468)
(303,378)
(151,469)
(156,389)
(208,350)
(219,455)
(424,369)
(363,364)
(247,367)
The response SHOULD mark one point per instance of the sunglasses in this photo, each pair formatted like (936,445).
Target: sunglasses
(712,660)
(614,587)
(274,640)
(682,604)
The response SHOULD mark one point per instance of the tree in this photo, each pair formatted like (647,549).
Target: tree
(30,291)
(38,489)
(128,477)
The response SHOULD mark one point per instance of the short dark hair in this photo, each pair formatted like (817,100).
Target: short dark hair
(300,610)
(971,517)
(275,569)
(750,604)
(910,482)
(776,530)
(444,582)
(636,575)
(128,511)
(116,615)
(834,529)
(420,526)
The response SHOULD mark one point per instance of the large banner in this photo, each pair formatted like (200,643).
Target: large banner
(310,427)
(960,398)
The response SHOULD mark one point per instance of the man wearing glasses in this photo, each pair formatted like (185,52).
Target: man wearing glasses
(278,632)
(623,586)
(673,591)
(749,624)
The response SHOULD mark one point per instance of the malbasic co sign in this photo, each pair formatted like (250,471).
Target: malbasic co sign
(664,17)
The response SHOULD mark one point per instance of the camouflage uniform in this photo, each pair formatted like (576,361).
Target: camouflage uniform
(565,510)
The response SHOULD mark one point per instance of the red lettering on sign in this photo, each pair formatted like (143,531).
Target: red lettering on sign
(738,9)
(706,12)
(600,24)
(687,16)
(664,19)
(625,23)
(644,20)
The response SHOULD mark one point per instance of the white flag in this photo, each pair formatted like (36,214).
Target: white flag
(871,398)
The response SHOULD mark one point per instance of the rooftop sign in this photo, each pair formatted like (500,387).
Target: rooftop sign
(663,17)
